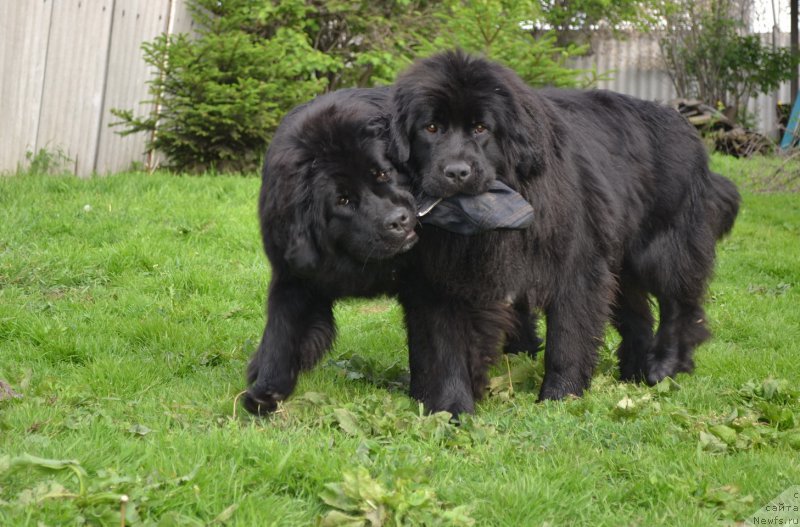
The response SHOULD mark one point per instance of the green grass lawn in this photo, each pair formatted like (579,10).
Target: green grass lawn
(129,306)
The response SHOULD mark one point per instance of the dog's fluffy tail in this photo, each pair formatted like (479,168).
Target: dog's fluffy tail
(723,203)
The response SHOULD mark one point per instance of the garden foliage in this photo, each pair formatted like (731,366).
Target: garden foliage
(219,94)
(709,56)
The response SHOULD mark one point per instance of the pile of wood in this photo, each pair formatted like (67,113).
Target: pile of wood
(729,137)
(739,142)
(702,116)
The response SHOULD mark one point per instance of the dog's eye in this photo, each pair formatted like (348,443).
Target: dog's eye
(381,176)
(432,128)
(479,128)
(343,200)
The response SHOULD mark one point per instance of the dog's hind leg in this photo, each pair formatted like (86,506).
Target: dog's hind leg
(299,330)
(682,265)
(682,327)
(677,266)
(633,319)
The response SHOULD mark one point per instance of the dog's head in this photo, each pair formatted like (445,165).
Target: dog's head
(459,122)
(340,201)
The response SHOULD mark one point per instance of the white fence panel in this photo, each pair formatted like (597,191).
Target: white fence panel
(64,64)
(24,31)
(135,21)
(75,73)
(126,82)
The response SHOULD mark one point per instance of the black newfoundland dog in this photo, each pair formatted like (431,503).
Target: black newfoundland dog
(333,217)
(626,208)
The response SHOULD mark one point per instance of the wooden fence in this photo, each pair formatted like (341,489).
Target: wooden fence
(65,63)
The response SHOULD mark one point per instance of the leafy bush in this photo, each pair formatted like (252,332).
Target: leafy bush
(579,20)
(219,96)
(370,40)
(502,30)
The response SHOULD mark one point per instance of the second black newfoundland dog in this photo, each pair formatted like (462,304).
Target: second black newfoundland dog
(333,217)
(626,208)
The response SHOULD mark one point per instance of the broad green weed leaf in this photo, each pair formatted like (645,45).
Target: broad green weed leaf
(340,519)
(666,386)
(314,398)
(139,430)
(43,491)
(725,433)
(683,418)
(47,464)
(458,517)
(626,407)
(711,443)
(361,500)
(335,496)
(347,421)
(779,416)
(361,484)
(376,516)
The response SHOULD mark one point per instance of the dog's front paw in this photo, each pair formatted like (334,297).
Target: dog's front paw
(555,388)
(261,402)
(456,402)
(660,368)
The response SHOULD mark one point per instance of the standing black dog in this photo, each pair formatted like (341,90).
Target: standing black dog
(333,217)
(626,207)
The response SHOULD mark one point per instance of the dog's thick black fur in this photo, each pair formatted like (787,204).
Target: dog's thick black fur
(626,209)
(333,217)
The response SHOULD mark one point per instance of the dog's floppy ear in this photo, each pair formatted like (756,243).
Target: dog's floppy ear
(399,146)
(527,142)
(301,253)
(378,126)
(292,208)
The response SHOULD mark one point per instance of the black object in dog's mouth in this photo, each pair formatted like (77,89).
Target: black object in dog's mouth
(500,207)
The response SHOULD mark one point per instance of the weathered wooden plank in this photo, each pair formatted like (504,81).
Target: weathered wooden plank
(72,98)
(24,30)
(135,21)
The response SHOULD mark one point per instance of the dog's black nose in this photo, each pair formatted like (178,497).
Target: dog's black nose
(458,172)
(399,220)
